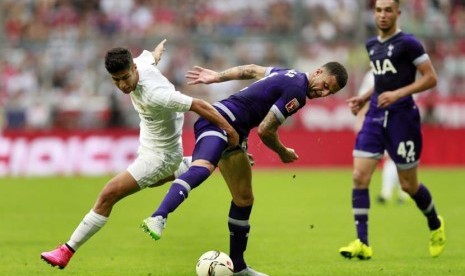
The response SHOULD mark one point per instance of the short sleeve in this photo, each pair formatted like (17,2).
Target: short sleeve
(145,57)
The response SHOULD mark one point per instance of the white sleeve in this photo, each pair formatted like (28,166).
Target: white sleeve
(162,93)
(145,57)
(179,102)
(368,82)
(268,71)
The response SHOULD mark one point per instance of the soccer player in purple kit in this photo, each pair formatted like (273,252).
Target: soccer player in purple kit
(392,123)
(266,103)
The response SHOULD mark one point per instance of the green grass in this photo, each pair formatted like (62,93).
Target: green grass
(298,224)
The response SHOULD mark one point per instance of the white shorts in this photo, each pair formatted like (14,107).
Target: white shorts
(151,167)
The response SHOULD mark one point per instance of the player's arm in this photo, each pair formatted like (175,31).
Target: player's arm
(158,51)
(207,111)
(427,80)
(206,76)
(268,133)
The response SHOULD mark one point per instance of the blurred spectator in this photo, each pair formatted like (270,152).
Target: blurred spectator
(51,63)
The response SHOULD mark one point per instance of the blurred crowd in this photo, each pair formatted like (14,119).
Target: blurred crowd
(51,64)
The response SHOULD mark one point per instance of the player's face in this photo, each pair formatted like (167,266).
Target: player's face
(386,13)
(126,80)
(321,84)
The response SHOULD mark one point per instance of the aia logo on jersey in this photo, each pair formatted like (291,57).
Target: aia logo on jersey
(292,105)
(381,67)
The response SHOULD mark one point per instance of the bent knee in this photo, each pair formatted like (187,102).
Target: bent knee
(361,179)
(110,194)
(243,201)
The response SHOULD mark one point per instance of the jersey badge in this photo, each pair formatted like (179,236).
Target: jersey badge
(390,48)
(292,105)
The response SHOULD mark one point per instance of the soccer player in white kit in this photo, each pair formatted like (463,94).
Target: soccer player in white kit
(160,152)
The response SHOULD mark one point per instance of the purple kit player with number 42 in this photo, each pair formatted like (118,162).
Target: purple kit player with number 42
(392,123)
(266,103)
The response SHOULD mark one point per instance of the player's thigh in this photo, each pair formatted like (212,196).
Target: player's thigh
(237,173)
(369,142)
(210,142)
(151,167)
(404,138)
(119,186)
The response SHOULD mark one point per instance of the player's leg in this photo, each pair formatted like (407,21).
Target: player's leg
(235,167)
(405,150)
(183,167)
(147,168)
(368,150)
(117,188)
(363,171)
(207,152)
(424,201)
(237,174)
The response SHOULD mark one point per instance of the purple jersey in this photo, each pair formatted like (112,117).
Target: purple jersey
(396,129)
(394,64)
(281,91)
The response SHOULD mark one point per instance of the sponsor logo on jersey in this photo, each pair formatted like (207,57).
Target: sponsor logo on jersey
(292,105)
(381,67)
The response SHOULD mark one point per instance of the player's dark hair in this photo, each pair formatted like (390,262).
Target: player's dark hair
(397,2)
(339,71)
(117,60)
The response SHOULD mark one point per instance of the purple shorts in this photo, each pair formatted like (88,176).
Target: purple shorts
(397,131)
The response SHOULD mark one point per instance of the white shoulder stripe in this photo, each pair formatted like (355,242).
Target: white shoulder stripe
(268,71)
(278,113)
(419,60)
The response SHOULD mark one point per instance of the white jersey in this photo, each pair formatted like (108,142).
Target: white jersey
(160,107)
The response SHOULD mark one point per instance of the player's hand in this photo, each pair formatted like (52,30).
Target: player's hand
(288,155)
(387,98)
(158,51)
(355,104)
(201,75)
(233,138)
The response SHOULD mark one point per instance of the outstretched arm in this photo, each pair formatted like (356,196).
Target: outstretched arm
(158,51)
(268,133)
(206,76)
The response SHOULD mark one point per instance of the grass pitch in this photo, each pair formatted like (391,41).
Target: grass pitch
(299,221)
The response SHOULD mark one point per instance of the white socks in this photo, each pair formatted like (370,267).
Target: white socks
(91,223)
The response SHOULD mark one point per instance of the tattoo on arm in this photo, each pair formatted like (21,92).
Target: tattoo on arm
(270,125)
(223,75)
(270,122)
(243,72)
